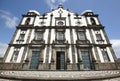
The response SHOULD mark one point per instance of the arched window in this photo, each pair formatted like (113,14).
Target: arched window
(27,22)
(93,21)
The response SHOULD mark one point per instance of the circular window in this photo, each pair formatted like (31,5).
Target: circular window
(60,23)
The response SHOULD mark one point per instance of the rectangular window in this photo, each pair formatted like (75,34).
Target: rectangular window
(60,36)
(39,36)
(81,36)
(21,36)
(35,60)
(105,56)
(86,60)
(98,36)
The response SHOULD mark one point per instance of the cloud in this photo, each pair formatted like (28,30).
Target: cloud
(10,20)
(3,48)
(54,3)
(116,46)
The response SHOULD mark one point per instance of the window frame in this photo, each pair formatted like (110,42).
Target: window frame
(81,35)
(15,55)
(99,37)
(39,36)
(60,38)
(105,55)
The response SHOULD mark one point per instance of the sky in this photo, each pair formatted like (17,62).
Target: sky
(11,12)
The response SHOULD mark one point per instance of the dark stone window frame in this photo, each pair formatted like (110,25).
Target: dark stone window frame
(89,50)
(60,19)
(21,36)
(105,55)
(36,36)
(15,54)
(41,31)
(63,38)
(100,38)
(78,34)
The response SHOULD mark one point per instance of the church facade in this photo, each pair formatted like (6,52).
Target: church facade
(59,40)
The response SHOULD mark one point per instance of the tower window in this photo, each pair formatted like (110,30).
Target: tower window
(93,21)
(105,55)
(39,36)
(27,22)
(15,55)
(98,36)
(21,36)
(60,23)
(81,36)
(60,36)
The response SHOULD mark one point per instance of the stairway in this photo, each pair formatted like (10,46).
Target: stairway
(60,75)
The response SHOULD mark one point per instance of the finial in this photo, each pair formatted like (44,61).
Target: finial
(60,6)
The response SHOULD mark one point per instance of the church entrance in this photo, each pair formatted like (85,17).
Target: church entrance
(34,60)
(60,60)
(86,60)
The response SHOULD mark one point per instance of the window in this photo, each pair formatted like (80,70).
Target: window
(60,36)
(39,36)
(105,55)
(93,21)
(86,60)
(27,22)
(82,36)
(15,55)
(60,23)
(35,60)
(21,36)
(98,36)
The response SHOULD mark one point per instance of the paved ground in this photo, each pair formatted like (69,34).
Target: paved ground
(61,75)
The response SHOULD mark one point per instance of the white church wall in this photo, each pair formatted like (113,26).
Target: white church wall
(25,18)
(70,54)
(94,36)
(37,21)
(17,37)
(74,35)
(97,22)
(103,36)
(46,36)
(93,52)
(45,53)
(100,55)
(110,54)
(67,35)
(52,36)
(9,56)
(20,55)
(88,35)
(32,35)
(26,36)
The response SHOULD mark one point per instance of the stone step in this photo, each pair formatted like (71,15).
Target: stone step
(60,75)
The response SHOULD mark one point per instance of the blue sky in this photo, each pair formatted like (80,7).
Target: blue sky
(11,11)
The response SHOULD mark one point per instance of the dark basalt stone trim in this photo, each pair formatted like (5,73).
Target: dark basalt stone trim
(102,45)
(29,15)
(95,27)
(18,45)
(95,15)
